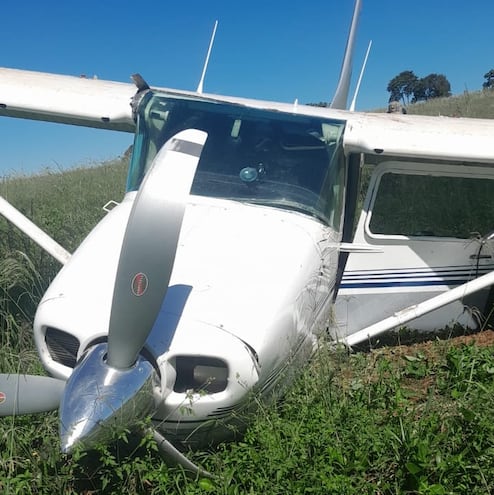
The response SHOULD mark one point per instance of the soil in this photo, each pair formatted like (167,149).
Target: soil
(427,350)
(409,342)
(484,338)
(419,388)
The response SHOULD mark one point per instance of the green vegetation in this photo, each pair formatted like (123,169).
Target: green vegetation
(472,104)
(477,104)
(400,420)
(65,205)
(489,79)
(407,87)
(449,206)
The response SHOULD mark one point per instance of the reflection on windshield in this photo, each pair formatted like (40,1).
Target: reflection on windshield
(256,156)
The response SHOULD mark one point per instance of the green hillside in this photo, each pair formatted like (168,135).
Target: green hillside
(66,205)
(477,104)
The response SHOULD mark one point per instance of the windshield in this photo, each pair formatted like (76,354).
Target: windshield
(256,156)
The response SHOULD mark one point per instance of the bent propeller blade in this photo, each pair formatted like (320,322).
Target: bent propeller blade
(173,456)
(149,246)
(29,394)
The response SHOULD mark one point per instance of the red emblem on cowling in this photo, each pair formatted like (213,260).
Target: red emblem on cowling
(3,397)
(139,284)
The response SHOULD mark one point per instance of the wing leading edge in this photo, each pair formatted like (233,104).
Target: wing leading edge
(66,99)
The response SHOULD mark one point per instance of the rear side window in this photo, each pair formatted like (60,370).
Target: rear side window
(428,205)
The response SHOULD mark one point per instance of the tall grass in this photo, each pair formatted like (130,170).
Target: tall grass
(472,104)
(400,422)
(65,205)
(477,104)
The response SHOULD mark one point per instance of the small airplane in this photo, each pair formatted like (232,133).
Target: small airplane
(215,276)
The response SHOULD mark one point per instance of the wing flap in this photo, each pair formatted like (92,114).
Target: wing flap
(66,99)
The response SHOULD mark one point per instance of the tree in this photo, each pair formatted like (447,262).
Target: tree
(431,86)
(489,80)
(402,86)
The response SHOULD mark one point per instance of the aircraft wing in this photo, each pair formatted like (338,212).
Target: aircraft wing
(66,99)
(420,137)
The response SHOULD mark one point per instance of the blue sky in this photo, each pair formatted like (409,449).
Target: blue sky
(274,50)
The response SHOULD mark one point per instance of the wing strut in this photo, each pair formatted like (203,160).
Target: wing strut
(412,312)
(33,231)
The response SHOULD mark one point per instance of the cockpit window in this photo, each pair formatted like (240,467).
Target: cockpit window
(254,156)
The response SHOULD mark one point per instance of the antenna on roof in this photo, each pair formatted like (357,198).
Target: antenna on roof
(352,105)
(201,82)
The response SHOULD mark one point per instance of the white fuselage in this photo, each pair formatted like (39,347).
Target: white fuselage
(413,263)
(251,287)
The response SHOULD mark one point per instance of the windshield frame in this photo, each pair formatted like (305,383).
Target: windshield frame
(260,156)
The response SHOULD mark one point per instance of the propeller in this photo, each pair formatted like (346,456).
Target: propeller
(113,385)
(28,394)
(149,246)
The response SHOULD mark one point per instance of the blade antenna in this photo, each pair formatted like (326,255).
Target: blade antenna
(341,94)
(352,105)
(203,75)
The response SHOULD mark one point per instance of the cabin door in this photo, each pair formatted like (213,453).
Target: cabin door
(431,223)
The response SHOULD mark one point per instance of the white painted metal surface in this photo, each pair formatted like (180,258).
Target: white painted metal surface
(33,231)
(417,136)
(66,99)
(406,315)
(410,269)
(106,104)
(247,302)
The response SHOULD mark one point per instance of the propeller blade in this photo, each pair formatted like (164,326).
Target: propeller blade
(173,456)
(28,394)
(149,246)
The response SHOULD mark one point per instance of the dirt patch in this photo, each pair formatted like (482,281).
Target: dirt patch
(429,348)
(415,359)
(484,338)
(408,339)
(413,362)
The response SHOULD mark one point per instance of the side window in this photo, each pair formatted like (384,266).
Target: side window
(429,205)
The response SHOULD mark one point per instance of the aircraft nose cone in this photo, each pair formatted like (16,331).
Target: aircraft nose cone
(99,400)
